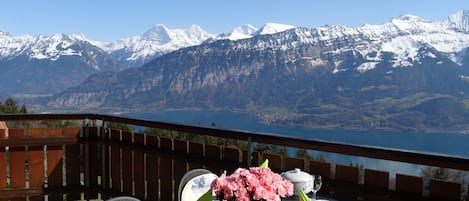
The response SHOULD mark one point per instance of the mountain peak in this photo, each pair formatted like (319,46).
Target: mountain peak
(246,29)
(159,34)
(409,18)
(459,21)
(238,33)
(4,33)
(196,28)
(272,28)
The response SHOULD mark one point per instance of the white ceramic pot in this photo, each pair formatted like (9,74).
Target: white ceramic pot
(301,180)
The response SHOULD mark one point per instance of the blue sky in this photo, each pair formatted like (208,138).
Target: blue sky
(108,20)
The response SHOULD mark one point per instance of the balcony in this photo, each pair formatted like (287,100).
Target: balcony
(52,161)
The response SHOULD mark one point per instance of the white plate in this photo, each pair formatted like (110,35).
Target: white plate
(198,183)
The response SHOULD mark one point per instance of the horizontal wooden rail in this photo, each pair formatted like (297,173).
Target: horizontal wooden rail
(439,160)
(37,141)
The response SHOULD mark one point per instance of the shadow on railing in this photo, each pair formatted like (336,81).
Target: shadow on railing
(94,162)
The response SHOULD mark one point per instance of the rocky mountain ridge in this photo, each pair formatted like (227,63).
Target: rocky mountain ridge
(42,64)
(409,73)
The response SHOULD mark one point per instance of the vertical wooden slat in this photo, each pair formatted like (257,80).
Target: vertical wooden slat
(275,161)
(115,160)
(152,166)
(231,158)
(166,170)
(17,161)
(256,156)
(54,160)
(139,166)
(346,182)
(213,152)
(166,144)
(346,173)
(445,190)
(127,179)
(94,162)
(105,155)
(320,168)
(3,163)
(180,146)
(35,167)
(376,179)
(409,184)
(35,159)
(197,151)
(232,154)
(72,159)
(72,163)
(376,185)
(180,164)
(292,163)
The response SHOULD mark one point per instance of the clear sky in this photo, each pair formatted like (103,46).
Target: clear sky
(108,20)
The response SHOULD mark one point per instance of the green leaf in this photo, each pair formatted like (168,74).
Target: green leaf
(206,196)
(303,196)
(264,164)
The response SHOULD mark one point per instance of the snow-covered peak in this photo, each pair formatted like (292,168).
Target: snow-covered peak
(4,33)
(408,17)
(238,33)
(156,41)
(194,35)
(459,21)
(245,29)
(272,28)
(159,34)
(50,47)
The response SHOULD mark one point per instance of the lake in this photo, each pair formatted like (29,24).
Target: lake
(442,143)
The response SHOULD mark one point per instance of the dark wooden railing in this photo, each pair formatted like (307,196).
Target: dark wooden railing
(97,163)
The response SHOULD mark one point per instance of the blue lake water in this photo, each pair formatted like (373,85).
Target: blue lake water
(435,142)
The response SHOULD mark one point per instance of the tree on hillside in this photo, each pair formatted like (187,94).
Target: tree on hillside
(11,107)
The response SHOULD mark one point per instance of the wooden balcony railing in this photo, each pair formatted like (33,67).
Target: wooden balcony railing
(94,162)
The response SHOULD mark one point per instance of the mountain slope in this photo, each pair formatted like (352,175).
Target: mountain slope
(48,64)
(374,76)
(155,42)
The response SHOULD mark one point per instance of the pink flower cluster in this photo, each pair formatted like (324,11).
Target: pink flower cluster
(253,184)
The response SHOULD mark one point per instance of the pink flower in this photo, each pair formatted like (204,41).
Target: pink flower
(253,183)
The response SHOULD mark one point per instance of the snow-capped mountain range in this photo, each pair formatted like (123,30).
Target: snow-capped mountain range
(133,51)
(402,36)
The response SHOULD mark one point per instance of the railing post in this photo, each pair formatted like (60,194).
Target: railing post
(249,156)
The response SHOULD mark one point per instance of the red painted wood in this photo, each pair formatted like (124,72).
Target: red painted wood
(3,168)
(152,166)
(292,163)
(166,170)
(275,161)
(139,166)
(376,179)
(320,168)
(115,161)
(346,173)
(127,179)
(409,184)
(445,190)
(17,167)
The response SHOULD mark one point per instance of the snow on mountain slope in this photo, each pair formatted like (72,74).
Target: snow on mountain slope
(156,41)
(242,32)
(40,47)
(402,36)
(272,28)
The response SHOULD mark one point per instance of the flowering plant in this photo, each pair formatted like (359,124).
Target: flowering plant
(255,183)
